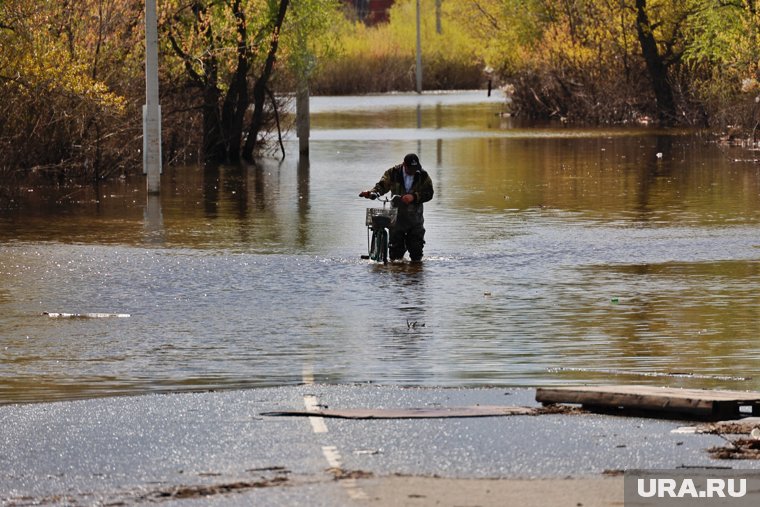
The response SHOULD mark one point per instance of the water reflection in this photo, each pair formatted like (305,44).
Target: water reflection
(303,200)
(553,255)
(154,221)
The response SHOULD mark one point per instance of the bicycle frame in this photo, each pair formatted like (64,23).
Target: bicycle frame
(378,222)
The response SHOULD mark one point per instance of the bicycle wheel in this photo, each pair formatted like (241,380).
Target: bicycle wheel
(374,250)
(379,250)
(384,246)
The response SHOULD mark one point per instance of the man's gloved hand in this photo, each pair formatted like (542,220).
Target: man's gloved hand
(407,198)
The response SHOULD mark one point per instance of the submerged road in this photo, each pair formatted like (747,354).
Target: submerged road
(218,448)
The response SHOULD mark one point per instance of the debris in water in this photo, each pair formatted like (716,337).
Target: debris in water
(648,373)
(55,315)
(413,325)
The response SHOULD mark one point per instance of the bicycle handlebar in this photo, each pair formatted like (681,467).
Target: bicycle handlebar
(392,198)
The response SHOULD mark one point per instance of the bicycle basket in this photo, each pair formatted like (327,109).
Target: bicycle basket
(381,217)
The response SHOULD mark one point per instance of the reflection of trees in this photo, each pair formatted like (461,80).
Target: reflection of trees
(259,194)
(303,201)
(223,185)
(651,169)
(234,184)
(211,190)
(689,316)
(605,176)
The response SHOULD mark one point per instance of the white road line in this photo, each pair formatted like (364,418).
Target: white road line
(317,423)
(332,456)
(330,452)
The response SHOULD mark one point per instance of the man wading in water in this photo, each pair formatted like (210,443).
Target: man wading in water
(415,187)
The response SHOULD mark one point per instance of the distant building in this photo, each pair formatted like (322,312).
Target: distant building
(370,12)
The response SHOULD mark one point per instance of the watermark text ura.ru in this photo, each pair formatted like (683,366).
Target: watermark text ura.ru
(703,487)
(687,488)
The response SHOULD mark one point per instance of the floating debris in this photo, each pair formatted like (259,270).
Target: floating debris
(54,315)
(206,491)
(341,474)
(743,448)
(428,413)
(674,374)
(745,426)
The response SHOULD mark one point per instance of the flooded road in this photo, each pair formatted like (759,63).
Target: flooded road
(554,255)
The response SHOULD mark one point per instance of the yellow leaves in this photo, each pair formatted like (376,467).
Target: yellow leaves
(51,58)
(50,68)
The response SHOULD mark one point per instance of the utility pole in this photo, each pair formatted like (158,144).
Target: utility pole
(151,109)
(419,51)
(303,124)
(304,70)
(438,27)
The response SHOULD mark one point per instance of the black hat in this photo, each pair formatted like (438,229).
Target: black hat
(412,161)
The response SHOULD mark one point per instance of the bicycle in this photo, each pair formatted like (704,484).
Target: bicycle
(378,221)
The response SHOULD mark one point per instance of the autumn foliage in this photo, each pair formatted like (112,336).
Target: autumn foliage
(72,82)
(672,62)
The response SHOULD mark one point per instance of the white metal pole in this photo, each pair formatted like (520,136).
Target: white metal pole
(419,51)
(151,109)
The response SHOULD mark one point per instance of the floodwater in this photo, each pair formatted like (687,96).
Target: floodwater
(554,255)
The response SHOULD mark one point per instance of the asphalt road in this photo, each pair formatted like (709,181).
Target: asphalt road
(218,448)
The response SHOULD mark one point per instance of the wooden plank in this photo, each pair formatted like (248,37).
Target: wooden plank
(698,402)
(412,413)
(672,392)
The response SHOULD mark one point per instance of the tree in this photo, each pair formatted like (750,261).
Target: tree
(260,89)
(61,106)
(609,60)
(656,65)
(723,57)
(228,49)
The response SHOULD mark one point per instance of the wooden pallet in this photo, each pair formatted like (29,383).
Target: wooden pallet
(652,400)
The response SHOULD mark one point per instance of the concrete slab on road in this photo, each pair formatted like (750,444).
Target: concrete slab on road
(216,448)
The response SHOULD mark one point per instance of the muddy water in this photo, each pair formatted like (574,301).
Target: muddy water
(554,255)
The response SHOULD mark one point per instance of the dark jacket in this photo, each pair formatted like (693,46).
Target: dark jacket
(422,190)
